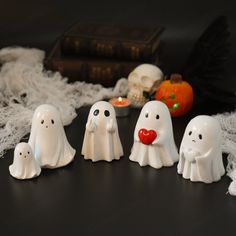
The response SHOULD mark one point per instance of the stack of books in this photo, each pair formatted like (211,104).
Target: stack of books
(103,54)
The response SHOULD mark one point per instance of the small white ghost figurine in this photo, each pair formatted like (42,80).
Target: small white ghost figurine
(24,165)
(200,151)
(101,139)
(48,140)
(153,137)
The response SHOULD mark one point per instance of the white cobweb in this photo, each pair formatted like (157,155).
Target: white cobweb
(24,85)
(228,126)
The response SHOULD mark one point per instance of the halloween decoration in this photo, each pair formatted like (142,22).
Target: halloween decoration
(25,84)
(121,105)
(24,164)
(228,126)
(153,137)
(200,151)
(48,140)
(101,139)
(176,94)
(205,67)
(143,81)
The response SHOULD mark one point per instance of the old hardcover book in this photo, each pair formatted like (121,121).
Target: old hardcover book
(110,41)
(91,70)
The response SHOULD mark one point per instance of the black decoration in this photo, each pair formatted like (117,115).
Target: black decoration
(206,62)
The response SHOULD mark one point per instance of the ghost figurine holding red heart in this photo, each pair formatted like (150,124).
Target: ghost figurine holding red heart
(153,137)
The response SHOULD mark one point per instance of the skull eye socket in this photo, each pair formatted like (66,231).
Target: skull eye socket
(52,121)
(200,136)
(190,132)
(147,82)
(157,117)
(42,121)
(106,113)
(132,84)
(96,112)
(146,115)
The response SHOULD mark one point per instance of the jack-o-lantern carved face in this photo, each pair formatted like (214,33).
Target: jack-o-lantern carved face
(144,78)
(176,94)
(170,98)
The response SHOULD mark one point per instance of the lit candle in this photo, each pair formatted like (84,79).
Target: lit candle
(121,105)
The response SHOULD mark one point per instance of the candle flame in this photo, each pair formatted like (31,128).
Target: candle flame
(120,99)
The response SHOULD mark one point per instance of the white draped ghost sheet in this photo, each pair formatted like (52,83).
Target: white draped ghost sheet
(101,138)
(25,84)
(200,151)
(48,139)
(24,165)
(155,124)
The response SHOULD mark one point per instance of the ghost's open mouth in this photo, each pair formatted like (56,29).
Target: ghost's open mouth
(194,141)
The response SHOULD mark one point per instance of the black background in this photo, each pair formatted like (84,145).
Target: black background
(117,198)
(39,23)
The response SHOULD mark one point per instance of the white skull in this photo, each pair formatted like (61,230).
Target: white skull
(144,78)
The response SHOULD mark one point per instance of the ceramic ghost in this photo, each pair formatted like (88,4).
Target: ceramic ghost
(153,137)
(101,139)
(24,165)
(200,151)
(144,78)
(48,140)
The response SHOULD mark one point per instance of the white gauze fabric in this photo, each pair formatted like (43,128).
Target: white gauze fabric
(228,126)
(24,85)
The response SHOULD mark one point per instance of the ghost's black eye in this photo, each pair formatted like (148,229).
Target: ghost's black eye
(28,152)
(20,153)
(52,121)
(200,136)
(106,113)
(157,117)
(42,121)
(146,115)
(96,112)
(190,132)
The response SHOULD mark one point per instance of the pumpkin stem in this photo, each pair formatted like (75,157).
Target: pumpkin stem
(176,78)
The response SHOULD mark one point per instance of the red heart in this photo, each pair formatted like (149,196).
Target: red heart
(147,136)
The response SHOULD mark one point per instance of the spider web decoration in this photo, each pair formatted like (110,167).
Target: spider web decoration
(24,85)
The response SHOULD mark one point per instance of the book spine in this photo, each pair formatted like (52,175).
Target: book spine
(108,49)
(96,73)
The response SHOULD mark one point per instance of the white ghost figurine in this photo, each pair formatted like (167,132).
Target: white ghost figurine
(101,139)
(24,165)
(153,137)
(200,151)
(48,140)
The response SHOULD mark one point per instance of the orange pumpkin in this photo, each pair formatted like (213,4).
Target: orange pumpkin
(176,94)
